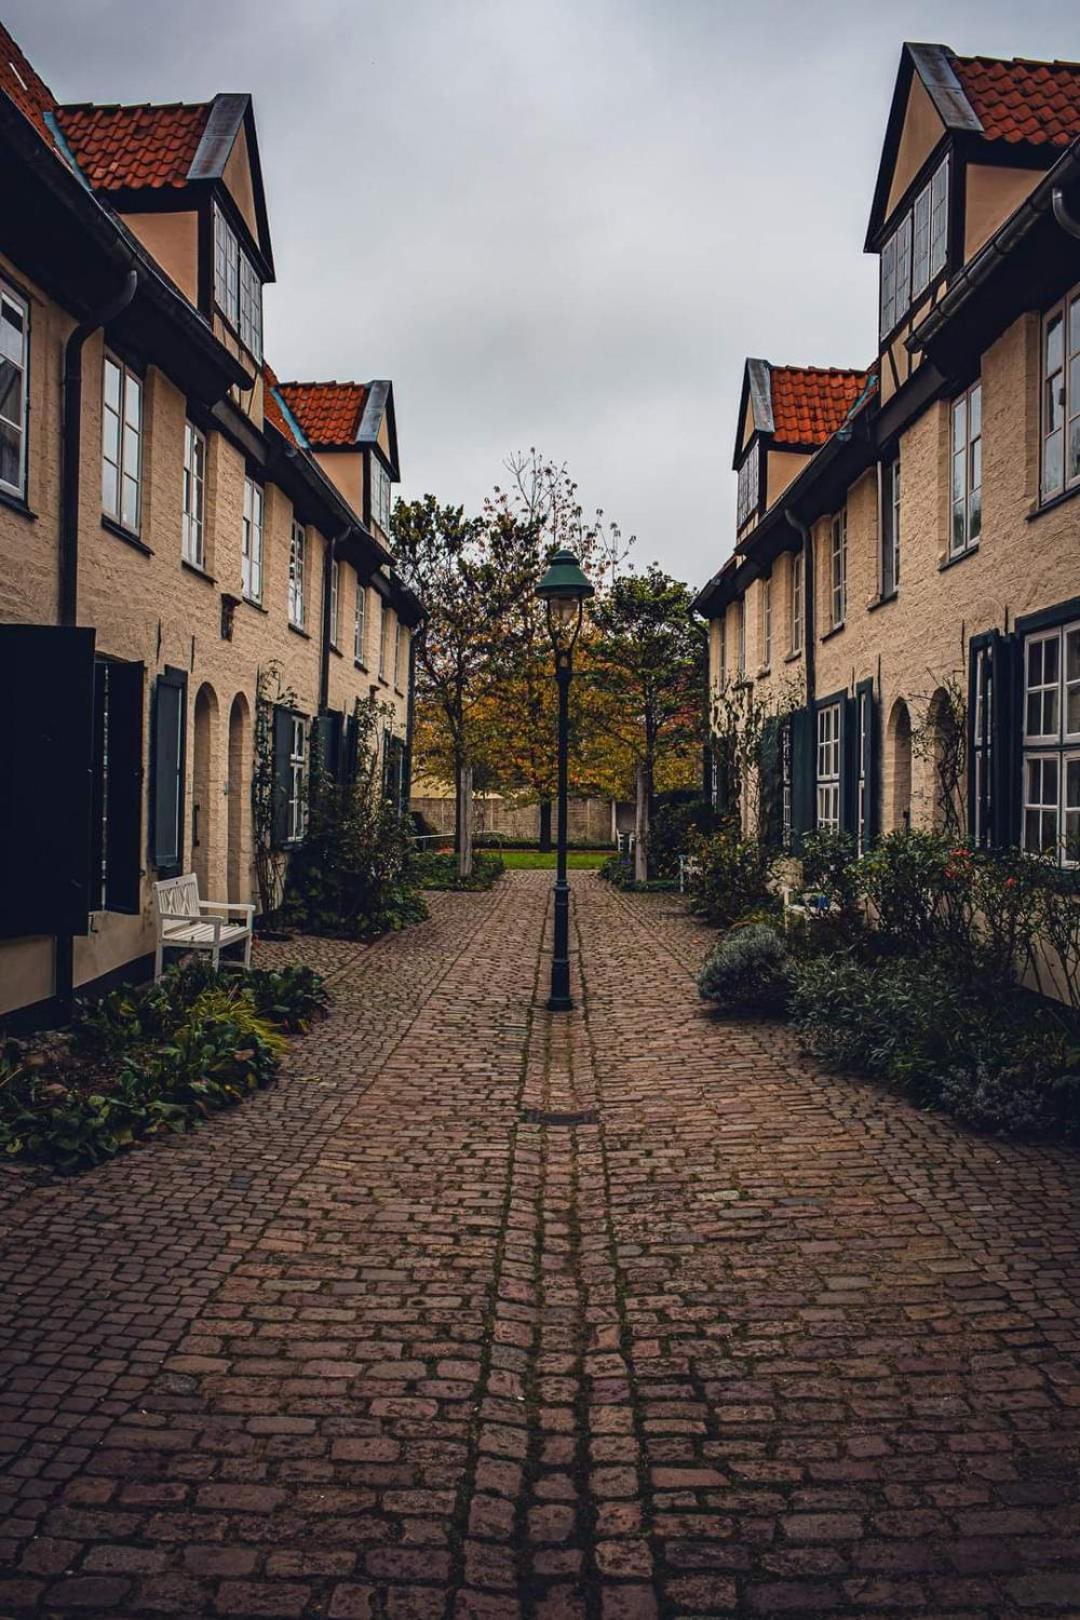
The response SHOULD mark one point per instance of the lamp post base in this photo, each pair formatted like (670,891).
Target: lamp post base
(560,999)
(560,1004)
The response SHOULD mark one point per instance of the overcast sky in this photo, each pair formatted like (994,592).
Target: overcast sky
(560,223)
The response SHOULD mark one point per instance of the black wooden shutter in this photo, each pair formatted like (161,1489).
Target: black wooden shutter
(124,810)
(167,747)
(327,739)
(770,786)
(1006,738)
(349,749)
(47,687)
(283,719)
(849,765)
(802,775)
(867,752)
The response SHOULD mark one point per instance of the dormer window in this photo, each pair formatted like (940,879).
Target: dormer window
(380,494)
(237,287)
(916,251)
(749,485)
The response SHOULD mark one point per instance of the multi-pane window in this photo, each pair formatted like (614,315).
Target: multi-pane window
(721,649)
(380,493)
(251,560)
(297,575)
(749,485)
(296,809)
(838,569)
(14,403)
(766,622)
(397,654)
(890,526)
(1061,396)
(828,767)
(193,520)
(966,523)
(916,251)
(384,638)
(360,622)
(741,650)
(797,603)
(121,444)
(237,288)
(1051,780)
(335,601)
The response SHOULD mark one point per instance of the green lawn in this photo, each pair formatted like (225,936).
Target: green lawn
(579,859)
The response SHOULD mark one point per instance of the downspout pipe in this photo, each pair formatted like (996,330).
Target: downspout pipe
(324,662)
(68,560)
(1068,222)
(72,441)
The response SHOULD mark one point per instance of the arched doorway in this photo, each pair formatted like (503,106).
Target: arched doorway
(203,819)
(899,760)
(238,791)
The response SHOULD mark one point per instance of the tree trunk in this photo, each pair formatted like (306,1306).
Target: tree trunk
(545,825)
(463,831)
(641,826)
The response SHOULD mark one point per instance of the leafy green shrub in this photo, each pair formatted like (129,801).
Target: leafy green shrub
(290,997)
(441,872)
(734,878)
(616,871)
(748,972)
(672,830)
(829,867)
(1036,1091)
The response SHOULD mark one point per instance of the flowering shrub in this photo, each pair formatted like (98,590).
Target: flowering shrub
(748,972)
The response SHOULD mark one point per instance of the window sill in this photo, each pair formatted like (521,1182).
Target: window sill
(1051,503)
(835,631)
(790,658)
(881,601)
(337,652)
(362,667)
(249,601)
(398,690)
(298,630)
(764,672)
(961,556)
(127,535)
(200,573)
(16,503)
(384,682)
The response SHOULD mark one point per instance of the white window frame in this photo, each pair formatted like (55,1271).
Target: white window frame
(749,492)
(296,825)
(335,602)
(796,603)
(827,772)
(384,636)
(740,651)
(838,568)
(251,548)
(123,422)
(889,561)
(1060,396)
(16,424)
(381,494)
(397,655)
(360,621)
(862,782)
(1049,738)
(965,470)
(237,285)
(193,517)
(916,250)
(721,649)
(766,621)
(298,575)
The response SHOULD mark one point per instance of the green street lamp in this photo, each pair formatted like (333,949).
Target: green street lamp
(563,591)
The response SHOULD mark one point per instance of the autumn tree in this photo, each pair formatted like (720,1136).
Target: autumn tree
(644,671)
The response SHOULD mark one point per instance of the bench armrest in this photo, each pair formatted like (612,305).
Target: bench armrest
(228,906)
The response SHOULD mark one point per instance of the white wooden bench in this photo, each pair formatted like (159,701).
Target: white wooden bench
(186,923)
(689,868)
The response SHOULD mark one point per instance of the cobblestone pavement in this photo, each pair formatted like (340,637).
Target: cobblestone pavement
(479,1313)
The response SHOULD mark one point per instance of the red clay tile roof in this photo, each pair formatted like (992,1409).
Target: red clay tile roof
(30,94)
(1023,101)
(133,146)
(811,402)
(272,411)
(329,412)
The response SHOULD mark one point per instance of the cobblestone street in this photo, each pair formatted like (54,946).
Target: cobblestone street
(481,1313)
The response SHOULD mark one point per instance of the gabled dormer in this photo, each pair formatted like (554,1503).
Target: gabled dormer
(186,180)
(967,139)
(351,430)
(786,413)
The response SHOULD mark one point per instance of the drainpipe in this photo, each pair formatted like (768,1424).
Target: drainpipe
(72,440)
(324,662)
(68,605)
(1068,222)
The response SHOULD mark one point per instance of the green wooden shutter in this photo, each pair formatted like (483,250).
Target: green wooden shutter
(849,765)
(770,786)
(47,687)
(123,817)
(327,752)
(283,719)
(167,747)
(868,752)
(802,776)
(1006,732)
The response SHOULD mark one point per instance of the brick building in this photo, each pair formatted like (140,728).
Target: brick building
(173,520)
(907,555)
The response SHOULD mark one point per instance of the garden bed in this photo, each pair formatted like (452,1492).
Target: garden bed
(149,1059)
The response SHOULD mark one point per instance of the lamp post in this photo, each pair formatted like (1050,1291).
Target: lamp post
(563,590)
